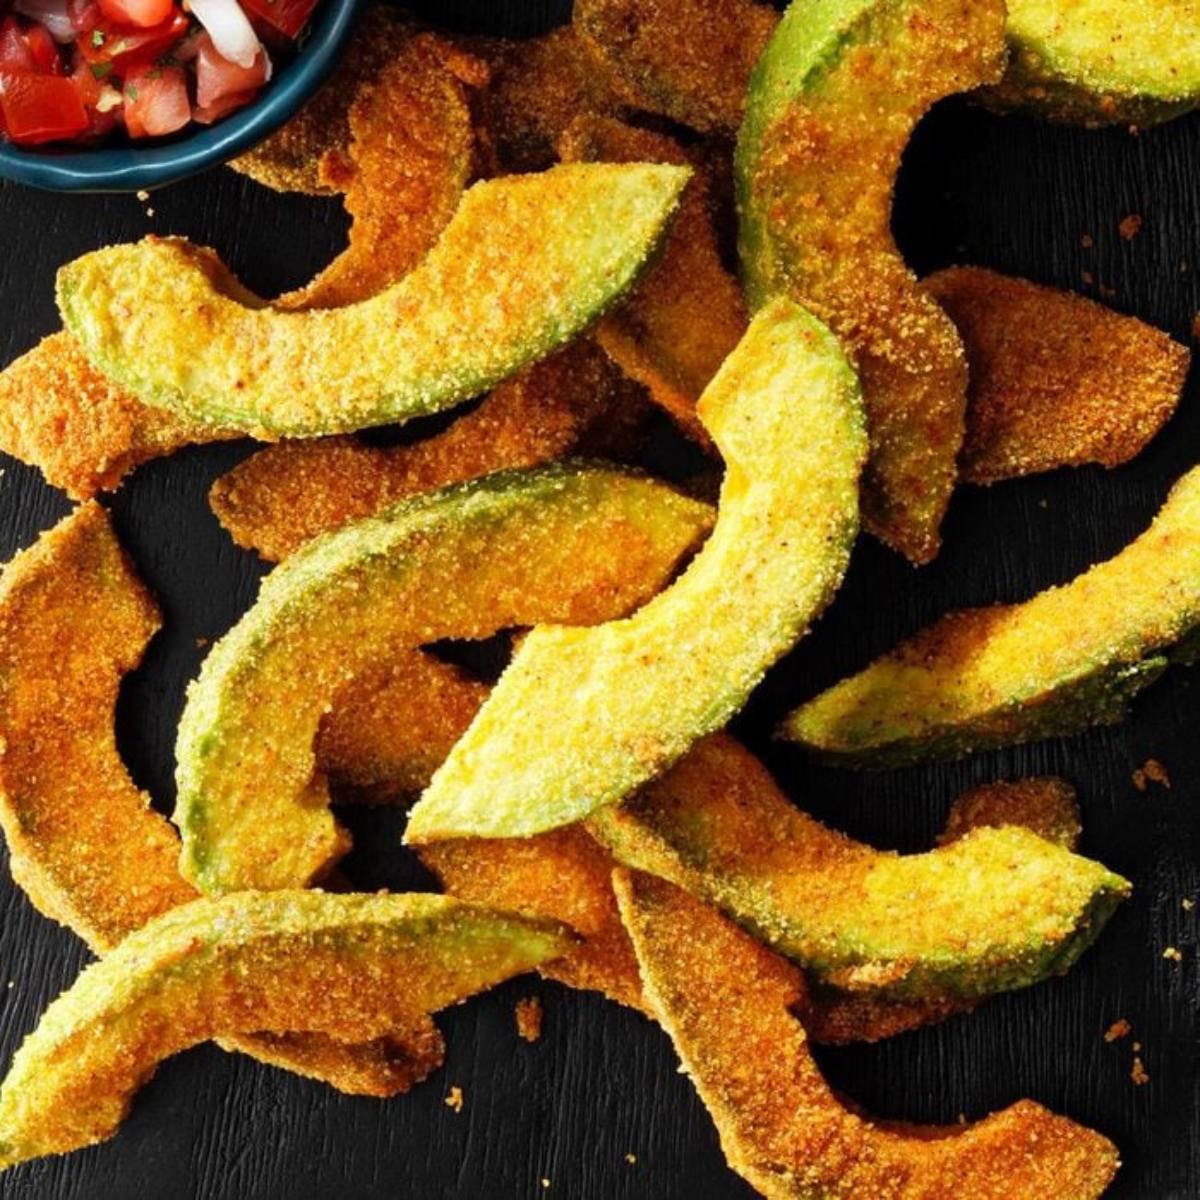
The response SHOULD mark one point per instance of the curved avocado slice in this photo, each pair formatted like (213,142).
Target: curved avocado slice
(350,966)
(1100,62)
(581,717)
(526,263)
(563,542)
(729,1004)
(997,910)
(1069,658)
(831,106)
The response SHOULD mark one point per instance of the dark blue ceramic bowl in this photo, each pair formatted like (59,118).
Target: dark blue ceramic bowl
(131,168)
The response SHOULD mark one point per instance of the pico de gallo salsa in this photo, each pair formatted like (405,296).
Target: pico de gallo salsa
(87,70)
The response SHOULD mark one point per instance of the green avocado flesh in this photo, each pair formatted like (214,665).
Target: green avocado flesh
(526,263)
(1069,658)
(564,542)
(581,717)
(298,962)
(831,106)
(1000,909)
(1097,62)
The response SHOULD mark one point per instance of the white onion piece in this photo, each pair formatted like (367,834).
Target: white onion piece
(110,98)
(231,32)
(51,13)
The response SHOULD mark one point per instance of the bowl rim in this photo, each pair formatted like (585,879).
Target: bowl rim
(133,168)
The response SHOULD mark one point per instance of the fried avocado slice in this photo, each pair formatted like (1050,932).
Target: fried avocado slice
(582,717)
(1056,380)
(729,1005)
(82,431)
(1044,804)
(563,542)
(686,314)
(350,967)
(1072,657)
(83,841)
(564,874)
(689,60)
(574,402)
(831,106)
(526,263)
(410,158)
(996,910)
(1101,62)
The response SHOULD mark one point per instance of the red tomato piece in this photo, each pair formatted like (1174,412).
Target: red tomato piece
(126,48)
(217,77)
(15,54)
(40,108)
(86,83)
(223,107)
(287,16)
(46,60)
(156,101)
(141,14)
(84,14)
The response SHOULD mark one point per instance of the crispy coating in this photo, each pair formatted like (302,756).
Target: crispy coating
(390,727)
(537,87)
(559,542)
(84,432)
(831,109)
(564,874)
(84,843)
(291,158)
(411,156)
(1056,380)
(686,314)
(687,59)
(729,1005)
(526,263)
(1046,804)
(575,401)
(582,717)
(1070,657)
(349,967)
(996,909)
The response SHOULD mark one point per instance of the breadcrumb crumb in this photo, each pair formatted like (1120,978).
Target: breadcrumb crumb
(454,1099)
(1120,1028)
(1151,771)
(529,1015)
(1173,953)
(1130,227)
(1138,1072)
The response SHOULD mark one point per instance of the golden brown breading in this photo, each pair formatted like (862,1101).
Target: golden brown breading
(574,401)
(563,874)
(1045,804)
(686,313)
(1056,380)
(411,155)
(728,1004)
(84,843)
(58,413)
(687,59)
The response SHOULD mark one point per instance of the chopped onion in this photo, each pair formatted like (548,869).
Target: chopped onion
(231,32)
(109,99)
(51,13)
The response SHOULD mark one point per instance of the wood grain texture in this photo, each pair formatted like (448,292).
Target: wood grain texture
(602,1082)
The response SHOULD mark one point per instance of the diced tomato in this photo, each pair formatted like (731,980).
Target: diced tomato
(86,83)
(223,107)
(127,48)
(40,108)
(217,77)
(15,54)
(287,16)
(46,60)
(142,14)
(156,101)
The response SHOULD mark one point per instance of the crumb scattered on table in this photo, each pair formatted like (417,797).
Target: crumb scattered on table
(1151,771)
(529,1015)
(1187,905)
(1087,241)
(1138,1071)
(631,1159)
(1118,1029)
(1173,954)
(454,1099)
(1130,227)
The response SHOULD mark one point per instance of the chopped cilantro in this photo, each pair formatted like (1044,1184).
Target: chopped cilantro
(131,91)
(99,70)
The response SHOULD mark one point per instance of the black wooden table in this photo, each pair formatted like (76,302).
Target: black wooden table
(596,1110)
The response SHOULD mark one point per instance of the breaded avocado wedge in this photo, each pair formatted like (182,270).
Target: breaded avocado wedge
(563,542)
(996,910)
(832,103)
(349,966)
(1100,62)
(1069,658)
(582,717)
(525,264)
(734,1011)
